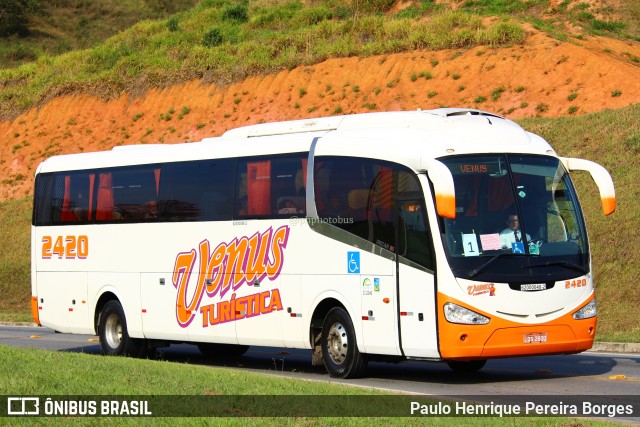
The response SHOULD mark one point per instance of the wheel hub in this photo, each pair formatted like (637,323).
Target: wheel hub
(337,343)
(113,331)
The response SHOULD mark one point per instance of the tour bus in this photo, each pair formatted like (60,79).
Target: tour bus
(448,234)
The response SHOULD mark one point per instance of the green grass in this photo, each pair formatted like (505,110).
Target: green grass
(29,372)
(138,45)
(610,20)
(15,273)
(600,137)
(275,36)
(62,26)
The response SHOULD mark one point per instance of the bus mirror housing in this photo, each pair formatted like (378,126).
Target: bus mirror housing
(443,186)
(601,177)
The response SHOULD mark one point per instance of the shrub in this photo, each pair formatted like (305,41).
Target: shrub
(497,93)
(236,12)
(541,108)
(212,38)
(611,26)
(14,15)
(172,24)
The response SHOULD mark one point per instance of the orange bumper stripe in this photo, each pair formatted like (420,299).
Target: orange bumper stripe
(504,338)
(34,310)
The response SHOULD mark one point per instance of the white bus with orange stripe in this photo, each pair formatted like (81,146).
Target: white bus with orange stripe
(381,236)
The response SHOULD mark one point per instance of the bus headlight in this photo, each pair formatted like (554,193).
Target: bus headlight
(456,314)
(587,311)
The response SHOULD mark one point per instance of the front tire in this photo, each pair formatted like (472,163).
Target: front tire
(340,353)
(114,337)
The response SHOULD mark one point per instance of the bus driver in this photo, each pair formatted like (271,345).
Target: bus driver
(512,233)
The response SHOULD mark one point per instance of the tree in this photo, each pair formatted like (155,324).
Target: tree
(14,15)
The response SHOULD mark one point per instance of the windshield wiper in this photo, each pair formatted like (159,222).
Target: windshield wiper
(473,273)
(566,264)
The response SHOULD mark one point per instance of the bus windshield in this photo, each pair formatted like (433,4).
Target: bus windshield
(517,220)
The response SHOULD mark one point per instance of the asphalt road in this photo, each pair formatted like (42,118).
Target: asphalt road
(585,374)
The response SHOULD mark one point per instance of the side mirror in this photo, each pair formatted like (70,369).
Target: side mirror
(601,177)
(443,186)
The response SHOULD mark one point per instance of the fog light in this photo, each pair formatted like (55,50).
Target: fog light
(456,314)
(587,311)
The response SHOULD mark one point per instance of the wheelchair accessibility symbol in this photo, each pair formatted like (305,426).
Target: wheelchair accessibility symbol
(353,262)
(517,247)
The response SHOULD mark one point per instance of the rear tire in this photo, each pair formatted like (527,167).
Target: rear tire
(340,353)
(114,337)
(466,367)
(222,351)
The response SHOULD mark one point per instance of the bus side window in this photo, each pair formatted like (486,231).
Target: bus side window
(358,192)
(196,190)
(270,187)
(414,235)
(77,200)
(134,190)
(342,193)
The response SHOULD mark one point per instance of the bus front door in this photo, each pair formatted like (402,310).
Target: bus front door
(416,279)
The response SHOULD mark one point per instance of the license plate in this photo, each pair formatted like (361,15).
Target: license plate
(533,287)
(535,337)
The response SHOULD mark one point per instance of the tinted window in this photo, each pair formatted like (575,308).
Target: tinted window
(64,198)
(129,194)
(414,236)
(271,187)
(183,191)
(197,191)
(373,199)
(203,190)
(521,207)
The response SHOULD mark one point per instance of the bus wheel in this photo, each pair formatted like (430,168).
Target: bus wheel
(339,348)
(114,338)
(467,367)
(222,351)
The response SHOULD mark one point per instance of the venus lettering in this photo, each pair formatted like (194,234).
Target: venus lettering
(227,267)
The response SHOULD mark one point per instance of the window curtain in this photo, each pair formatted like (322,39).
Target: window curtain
(259,188)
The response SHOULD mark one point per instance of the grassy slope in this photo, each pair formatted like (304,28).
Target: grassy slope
(215,41)
(66,25)
(600,137)
(15,267)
